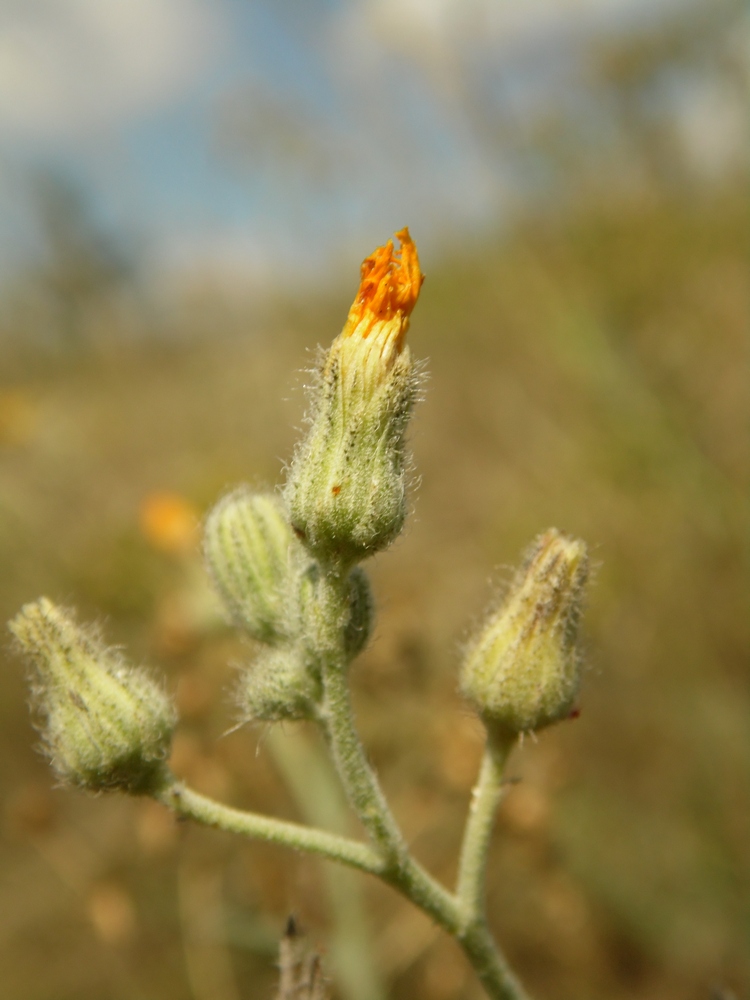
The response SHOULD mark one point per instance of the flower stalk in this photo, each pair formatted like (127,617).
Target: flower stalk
(485,799)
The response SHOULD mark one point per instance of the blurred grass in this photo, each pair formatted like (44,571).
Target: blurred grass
(589,372)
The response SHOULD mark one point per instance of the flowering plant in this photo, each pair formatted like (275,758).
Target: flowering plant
(287,568)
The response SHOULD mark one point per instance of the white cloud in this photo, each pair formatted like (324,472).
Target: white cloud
(67,66)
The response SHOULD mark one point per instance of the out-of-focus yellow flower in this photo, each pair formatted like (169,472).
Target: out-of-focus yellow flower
(169,522)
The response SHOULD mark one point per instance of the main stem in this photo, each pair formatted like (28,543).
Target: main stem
(360,782)
(403,872)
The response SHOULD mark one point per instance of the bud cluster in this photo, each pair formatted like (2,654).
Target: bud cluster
(344,500)
(268,584)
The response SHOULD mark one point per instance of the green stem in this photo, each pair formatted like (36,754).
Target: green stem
(402,872)
(485,798)
(462,915)
(360,783)
(191,805)
(490,964)
(410,879)
(359,780)
(317,791)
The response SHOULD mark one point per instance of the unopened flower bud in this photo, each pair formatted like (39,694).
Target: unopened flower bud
(346,487)
(361,613)
(279,685)
(249,547)
(522,671)
(107,725)
(350,615)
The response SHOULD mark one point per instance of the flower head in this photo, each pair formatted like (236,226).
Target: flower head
(107,725)
(389,287)
(346,490)
(522,671)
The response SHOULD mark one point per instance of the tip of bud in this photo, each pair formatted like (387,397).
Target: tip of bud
(388,291)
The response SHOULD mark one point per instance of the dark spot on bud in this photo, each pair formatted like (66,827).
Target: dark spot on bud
(335,490)
(575,713)
(78,701)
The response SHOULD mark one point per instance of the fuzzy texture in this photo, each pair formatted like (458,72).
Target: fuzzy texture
(346,489)
(281,684)
(522,671)
(250,553)
(353,620)
(107,726)
(358,628)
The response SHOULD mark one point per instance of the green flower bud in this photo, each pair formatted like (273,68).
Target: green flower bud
(280,684)
(353,615)
(522,671)
(107,725)
(362,612)
(249,551)
(346,487)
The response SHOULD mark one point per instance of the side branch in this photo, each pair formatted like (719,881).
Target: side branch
(188,804)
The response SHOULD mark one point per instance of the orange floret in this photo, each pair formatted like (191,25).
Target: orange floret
(388,290)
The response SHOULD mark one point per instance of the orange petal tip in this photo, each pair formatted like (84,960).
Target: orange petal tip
(389,287)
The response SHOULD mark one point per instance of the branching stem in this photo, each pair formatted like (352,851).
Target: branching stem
(462,915)
(189,804)
(411,880)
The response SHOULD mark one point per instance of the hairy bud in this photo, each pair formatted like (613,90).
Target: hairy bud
(107,725)
(349,615)
(280,684)
(522,670)
(346,487)
(361,613)
(249,551)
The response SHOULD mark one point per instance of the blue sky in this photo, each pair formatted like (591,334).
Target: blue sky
(245,136)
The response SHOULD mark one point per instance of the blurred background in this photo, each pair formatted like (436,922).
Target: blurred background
(186,192)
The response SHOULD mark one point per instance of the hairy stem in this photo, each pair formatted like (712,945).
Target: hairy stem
(359,780)
(490,964)
(188,804)
(409,879)
(487,793)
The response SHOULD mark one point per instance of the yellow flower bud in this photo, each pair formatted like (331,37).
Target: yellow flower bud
(522,671)
(346,488)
